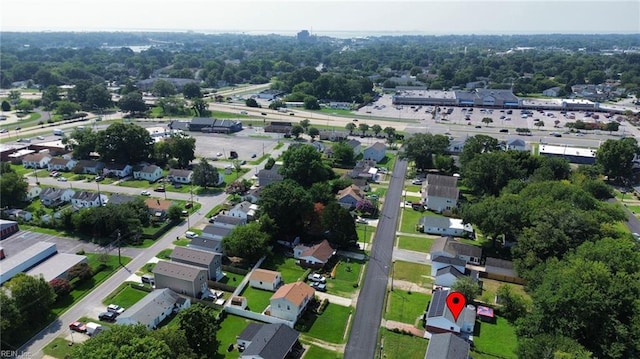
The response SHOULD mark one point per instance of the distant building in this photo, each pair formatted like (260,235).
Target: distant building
(38,160)
(212,125)
(572,154)
(279,127)
(551,92)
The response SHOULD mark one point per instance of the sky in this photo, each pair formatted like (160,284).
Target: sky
(374,17)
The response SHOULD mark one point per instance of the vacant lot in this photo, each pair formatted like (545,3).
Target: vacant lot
(330,326)
(257,299)
(125,296)
(315,352)
(400,346)
(418,244)
(413,272)
(347,274)
(406,307)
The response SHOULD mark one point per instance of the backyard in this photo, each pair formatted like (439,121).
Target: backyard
(257,299)
(497,340)
(406,307)
(230,328)
(347,275)
(410,218)
(125,295)
(287,267)
(400,346)
(329,326)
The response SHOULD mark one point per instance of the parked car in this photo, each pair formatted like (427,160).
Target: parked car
(315,277)
(78,327)
(244,113)
(263,113)
(40,137)
(504,130)
(416,181)
(321,287)
(62,179)
(219,154)
(145,193)
(53,174)
(190,235)
(108,316)
(99,178)
(113,308)
(159,189)
(253,155)
(478,126)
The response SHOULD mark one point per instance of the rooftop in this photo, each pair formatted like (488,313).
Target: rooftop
(150,307)
(264,275)
(447,345)
(268,340)
(56,265)
(294,292)
(193,255)
(178,270)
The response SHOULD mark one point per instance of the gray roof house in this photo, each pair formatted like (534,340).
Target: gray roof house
(206,244)
(181,278)
(267,341)
(446,276)
(210,261)
(118,198)
(447,345)
(440,193)
(356,145)
(448,247)
(180,176)
(375,152)
(439,318)
(88,166)
(225,221)
(53,197)
(268,176)
(211,231)
(154,308)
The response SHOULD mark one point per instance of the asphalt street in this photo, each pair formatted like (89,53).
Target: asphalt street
(366,323)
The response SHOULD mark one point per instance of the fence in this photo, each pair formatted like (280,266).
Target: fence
(256,316)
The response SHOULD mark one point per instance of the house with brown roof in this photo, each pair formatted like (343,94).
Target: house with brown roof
(36,160)
(315,256)
(291,300)
(350,196)
(265,279)
(158,207)
(181,278)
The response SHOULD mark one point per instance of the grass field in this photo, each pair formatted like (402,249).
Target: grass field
(165,253)
(182,242)
(315,352)
(365,232)
(58,348)
(415,243)
(412,272)
(142,184)
(399,346)
(495,340)
(347,275)
(413,188)
(287,267)
(406,307)
(490,288)
(330,326)
(230,328)
(257,299)
(410,218)
(124,296)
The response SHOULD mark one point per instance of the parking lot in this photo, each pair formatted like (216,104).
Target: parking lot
(209,145)
(25,239)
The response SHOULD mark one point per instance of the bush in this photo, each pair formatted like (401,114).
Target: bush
(80,252)
(60,286)
(141,287)
(305,275)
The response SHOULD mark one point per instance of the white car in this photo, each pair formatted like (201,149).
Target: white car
(315,277)
(191,235)
(40,137)
(416,181)
(115,309)
(219,154)
(145,193)
(361,220)
(62,179)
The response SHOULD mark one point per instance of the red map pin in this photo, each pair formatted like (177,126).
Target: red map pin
(455,303)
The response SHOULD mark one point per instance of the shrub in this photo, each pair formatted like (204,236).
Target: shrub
(335,270)
(323,306)
(60,286)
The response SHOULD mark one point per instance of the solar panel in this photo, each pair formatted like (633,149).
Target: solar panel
(438,304)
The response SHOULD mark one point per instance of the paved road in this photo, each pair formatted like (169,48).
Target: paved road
(94,299)
(366,324)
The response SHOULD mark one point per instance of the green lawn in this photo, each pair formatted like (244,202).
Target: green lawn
(495,340)
(142,184)
(125,296)
(365,232)
(58,348)
(230,328)
(335,111)
(257,299)
(228,178)
(83,288)
(410,218)
(287,267)
(260,159)
(182,242)
(412,188)
(406,307)
(347,275)
(388,161)
(232,279)
(330,326)
(165,253)
(23,171)
(399,346)
(315,352)
(412,272)
(415,243)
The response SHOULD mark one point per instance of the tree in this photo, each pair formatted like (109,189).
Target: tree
(421,148)
(251,102)
(391,133)
(174,213)
(513,305)
(247,242)
(49,96)
(132,102)
(183,148)
(85,142)
(365,206)
(80,270)
(126,342)
(60,286)
(339,226)
(616,157)
(343,154)
(11,322)
(200,327)
(25,106)
(350,127)
(612,126)
(13,188)
(489,172)
(551,347)
(476,145)
(539,124)
(200,107)
(311,103)
(288,204)
(205,175)
(363,127)
(468,287)
(487,120)
(163,88)
(14,96)
(6,106)
(66,108)
(297,130)
(33,297)
(376,129)
(313,132)
(304,165)
(124,143)
(98,97)
(305,124)
(191,91)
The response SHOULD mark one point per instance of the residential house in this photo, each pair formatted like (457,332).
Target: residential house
(291,300)
(206,244)
(447,345)
(440,193)
(350,196)
(265,279)
(89,167)
(551,92)
(364,169)
(438,262)
(225,221)
(252,195)
(439,318)
(269,176)
(150,173)
(181,278)
(61,164)
(54,197)
(375,152)
(356,146)
(180,176)
(456,146)
(33,192)
(210,261)
(36,160)
(361,183)
(446,276)
(449,247)
(444,226)
(211,231)
(245,210)
(268,341)
(118,198)
(516,144)
(315,256)
(117,169)
(158,207)
(16,214)
(153,308)
(83,199)
(333,135)
(502,270)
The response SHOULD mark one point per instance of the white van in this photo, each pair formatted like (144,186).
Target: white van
(190,234)
(58,132)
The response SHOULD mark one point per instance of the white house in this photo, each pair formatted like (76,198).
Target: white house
(117,169)
(265,279)
(61,164)
(356,145)
(551,92)
(36,160)
(290,301)
(444,226)
(315,256)
(440,193)
(91,167)
(16,214)
(154,308)
(439,262)
(245,210)
(230,222)
(446,276)
(375,152)
(150,173)
(449,247)
(53,197)
(439,318)
(180,176)
(33,192)
(83,199)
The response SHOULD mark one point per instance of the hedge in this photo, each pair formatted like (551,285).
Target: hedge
(235,270)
